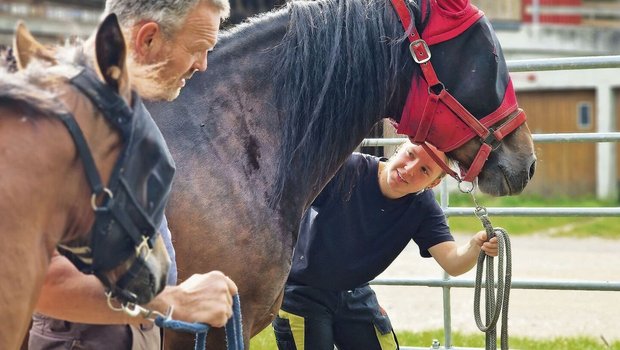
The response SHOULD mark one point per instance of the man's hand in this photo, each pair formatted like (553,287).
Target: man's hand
(490,247)
(205,298)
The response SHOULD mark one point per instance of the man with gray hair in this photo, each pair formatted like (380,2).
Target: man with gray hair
(173,37)
(168,41)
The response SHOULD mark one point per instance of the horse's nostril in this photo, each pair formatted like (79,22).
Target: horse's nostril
(532,169)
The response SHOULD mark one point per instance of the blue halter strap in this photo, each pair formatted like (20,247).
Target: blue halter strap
(234,330)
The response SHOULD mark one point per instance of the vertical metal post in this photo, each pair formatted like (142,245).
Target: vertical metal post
(535,12)
(606,186)
(447,316)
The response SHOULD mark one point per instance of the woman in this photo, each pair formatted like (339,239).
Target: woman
(353,231)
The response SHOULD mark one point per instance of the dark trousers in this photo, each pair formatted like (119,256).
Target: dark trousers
(317,319)
(52,334)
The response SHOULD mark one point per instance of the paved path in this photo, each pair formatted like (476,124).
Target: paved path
(533,313)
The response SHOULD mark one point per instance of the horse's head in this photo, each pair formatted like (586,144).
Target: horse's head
(464,102)
(126,162)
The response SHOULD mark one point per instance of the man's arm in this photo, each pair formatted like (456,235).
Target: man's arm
(457,260)
(70,295)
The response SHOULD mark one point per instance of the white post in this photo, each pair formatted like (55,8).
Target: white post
(606,187)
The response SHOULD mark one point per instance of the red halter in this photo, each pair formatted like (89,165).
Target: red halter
(436,123)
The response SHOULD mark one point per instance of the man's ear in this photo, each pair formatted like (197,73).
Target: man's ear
(148,40)
(27,48)
(111,55)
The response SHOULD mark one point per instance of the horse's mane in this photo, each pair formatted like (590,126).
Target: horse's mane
(354,62)
(34,87)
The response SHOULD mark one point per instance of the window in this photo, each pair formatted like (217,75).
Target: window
(584,115)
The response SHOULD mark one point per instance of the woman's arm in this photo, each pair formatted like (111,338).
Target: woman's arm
(456,260)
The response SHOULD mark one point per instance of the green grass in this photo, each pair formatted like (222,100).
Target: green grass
(579,227)
(424,339)
(265,341)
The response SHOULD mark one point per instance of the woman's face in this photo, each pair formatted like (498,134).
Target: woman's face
(411,169)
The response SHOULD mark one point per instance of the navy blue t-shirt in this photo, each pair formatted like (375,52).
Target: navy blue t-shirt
(352,232)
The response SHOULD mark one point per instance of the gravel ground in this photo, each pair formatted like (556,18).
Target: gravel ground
(533,313)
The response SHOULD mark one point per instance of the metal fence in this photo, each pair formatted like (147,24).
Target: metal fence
(446,283)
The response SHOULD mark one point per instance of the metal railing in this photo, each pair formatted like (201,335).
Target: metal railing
(447,282)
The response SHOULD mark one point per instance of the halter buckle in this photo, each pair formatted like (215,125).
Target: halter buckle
(145,247)
(420,51)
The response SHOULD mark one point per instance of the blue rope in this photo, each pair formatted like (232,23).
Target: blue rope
(234,330)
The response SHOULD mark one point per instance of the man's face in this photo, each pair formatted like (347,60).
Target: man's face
(186,51)
(411,169)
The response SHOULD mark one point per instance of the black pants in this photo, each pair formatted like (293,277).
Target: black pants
(317,319)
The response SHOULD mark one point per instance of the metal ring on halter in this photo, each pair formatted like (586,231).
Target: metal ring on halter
(144,245)
(93,198)
(466,189)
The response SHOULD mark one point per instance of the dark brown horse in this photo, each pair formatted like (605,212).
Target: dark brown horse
(287,97)
(46,196)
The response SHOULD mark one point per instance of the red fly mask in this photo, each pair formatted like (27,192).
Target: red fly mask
(452,113)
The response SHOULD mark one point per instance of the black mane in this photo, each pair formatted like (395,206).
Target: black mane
(356,69)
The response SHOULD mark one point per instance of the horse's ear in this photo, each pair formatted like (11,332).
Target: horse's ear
(27,48)
(111,54)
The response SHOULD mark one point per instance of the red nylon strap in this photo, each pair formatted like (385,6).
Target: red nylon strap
(429,73)
(463,114)
(405,18)
(418,47)
(427,119)
(513,122)
(478,163)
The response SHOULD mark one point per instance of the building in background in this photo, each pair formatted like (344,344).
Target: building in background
(566,101)
(55,20)
(50,21)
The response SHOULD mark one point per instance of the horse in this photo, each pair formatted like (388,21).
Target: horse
(58,146)
(286,99)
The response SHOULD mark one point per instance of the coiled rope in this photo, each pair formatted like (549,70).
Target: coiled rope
(494,303)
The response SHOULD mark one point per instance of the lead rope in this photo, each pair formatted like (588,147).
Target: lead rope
(494,303)
(234,331)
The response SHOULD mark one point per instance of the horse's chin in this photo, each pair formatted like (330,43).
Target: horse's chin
(495,185)
(148,280)
(501,181)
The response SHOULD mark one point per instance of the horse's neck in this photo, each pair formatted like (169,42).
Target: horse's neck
(46,159)
(360,87)
(104,144)
(243,126)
